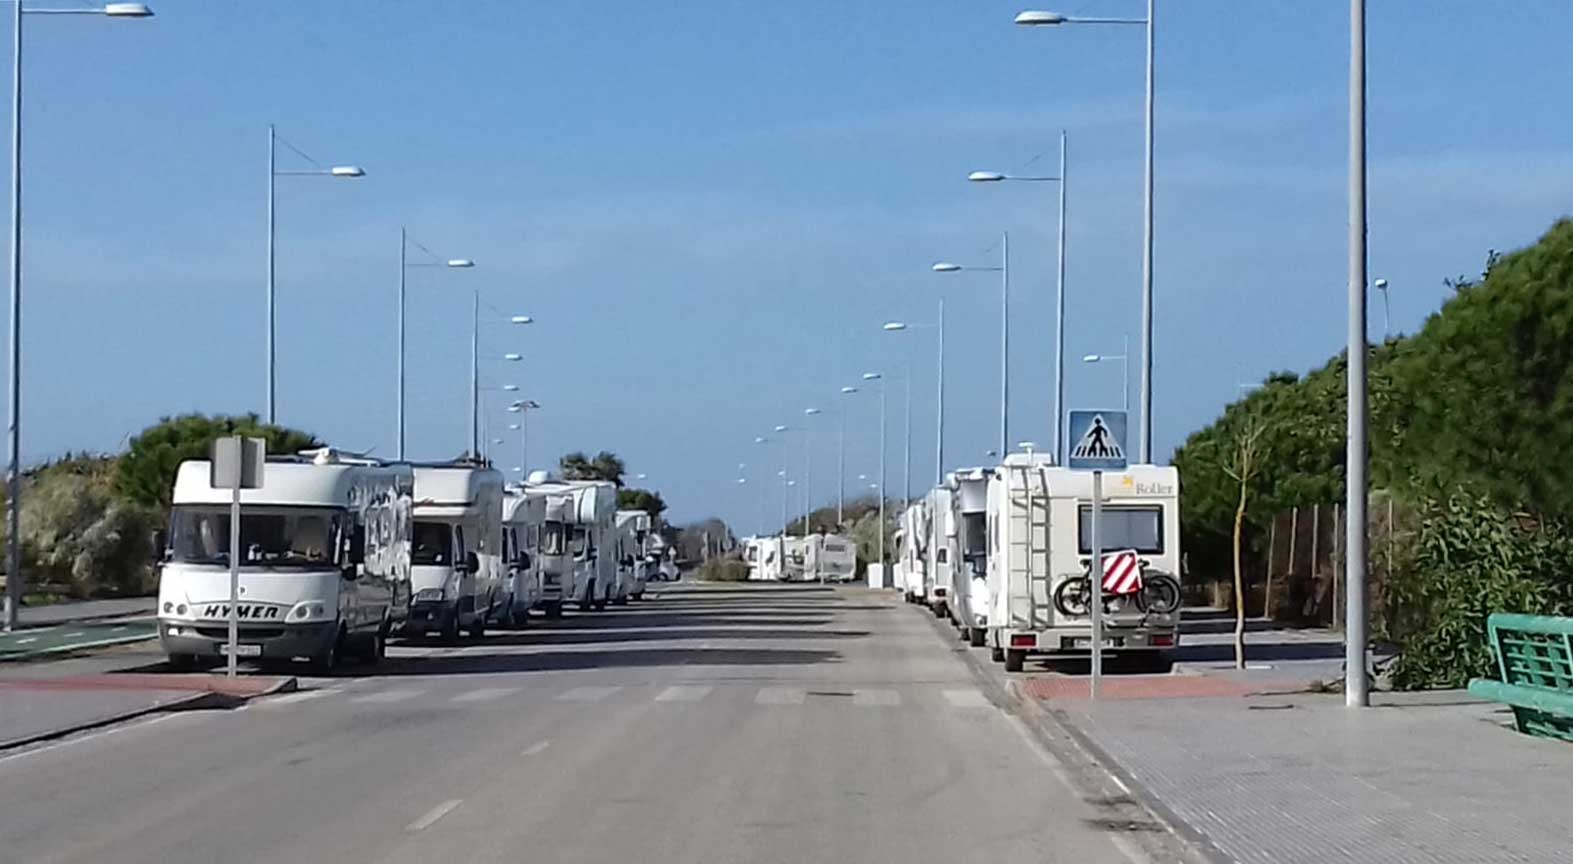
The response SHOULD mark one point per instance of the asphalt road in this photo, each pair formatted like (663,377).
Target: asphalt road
(712,724)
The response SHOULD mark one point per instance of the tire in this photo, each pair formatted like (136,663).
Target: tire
(183,662)
(938,609)
(620,601)
(976,636)
(519,618)
(1160,594)
(1073,597)
(450,629)
(1014,658)
(379,645)
(478,626)
(997,654)
(327,660)
(589,599)
(553,610)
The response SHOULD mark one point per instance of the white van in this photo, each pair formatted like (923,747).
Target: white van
(325,567)
(1039,524)
(941,529)
(577,560)
(969,548)
(831,558)
(522,517)
(912,557)
(633,527)
(456,565)
(764,558)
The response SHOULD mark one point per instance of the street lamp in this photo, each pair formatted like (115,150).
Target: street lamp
(436,261)
(13,592)
(939,418)
(1004,271)
(841,461)
(880,377)
(340,171)
(523,407)
(1356,686)
(1052,19)
(1059,296)
(475,362)
(1381,285)
(1125,373)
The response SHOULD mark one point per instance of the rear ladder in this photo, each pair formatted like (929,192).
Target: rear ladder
(1029,548)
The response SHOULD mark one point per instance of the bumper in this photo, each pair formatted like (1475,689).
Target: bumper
(1073,641)
(430,616)
(279,643)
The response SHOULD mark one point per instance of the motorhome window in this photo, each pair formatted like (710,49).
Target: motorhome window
(431,544)
(552,538)
(269,537)
(974,536)
(1139,528)
(580,541)
(942,556)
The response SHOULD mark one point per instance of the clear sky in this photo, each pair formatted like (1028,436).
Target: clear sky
(710,208)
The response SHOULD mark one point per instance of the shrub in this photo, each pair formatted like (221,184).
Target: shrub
(722,570)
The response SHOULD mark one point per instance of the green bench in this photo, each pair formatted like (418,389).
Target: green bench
(1534,656)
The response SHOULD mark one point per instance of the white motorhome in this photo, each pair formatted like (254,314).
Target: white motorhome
(969,548)
(1039,523)
(764,558)
(577,544)
(939,505)
(456,562)
(522,518)
(830,558)
(796,558)
(633,554)
(324,568)
(911,552)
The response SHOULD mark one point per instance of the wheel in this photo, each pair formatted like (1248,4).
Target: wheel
(450,629)
(1014,658)
(639,596)
(553,610)
(1160,594)
(519,617)
(976,636)
(620,601)
(183,662)
(327,659)
(478,626)
(599,604)
(938,609)
(997,654)
(1073,597)
(379,645)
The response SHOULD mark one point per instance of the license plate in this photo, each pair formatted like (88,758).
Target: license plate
(241,650)
(1114,642)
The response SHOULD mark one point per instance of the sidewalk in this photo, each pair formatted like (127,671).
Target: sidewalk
(87,610)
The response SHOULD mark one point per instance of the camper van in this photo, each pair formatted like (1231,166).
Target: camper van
(456,556)
(830,558)
(911,551)
(1039,523)
(764,557)
(941,530)
(522,517)
(578,564)
(633,528)
(969,549)
(324,561)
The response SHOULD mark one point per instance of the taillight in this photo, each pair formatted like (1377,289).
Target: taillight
(1023,640)
(1161,641)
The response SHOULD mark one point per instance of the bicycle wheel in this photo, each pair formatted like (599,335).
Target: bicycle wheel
(1072,597)
(1160,594)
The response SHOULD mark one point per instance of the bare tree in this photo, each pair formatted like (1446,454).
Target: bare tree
(1242,466)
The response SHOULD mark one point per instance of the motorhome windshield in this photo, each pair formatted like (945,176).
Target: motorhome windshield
(1139,528)
(552,538)
(269,536)
(431,544)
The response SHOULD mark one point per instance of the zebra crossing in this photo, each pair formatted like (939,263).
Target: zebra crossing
(796,695)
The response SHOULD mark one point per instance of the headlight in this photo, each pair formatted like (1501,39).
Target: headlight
(181,609)
(168,607)
(428,594)
(307,610)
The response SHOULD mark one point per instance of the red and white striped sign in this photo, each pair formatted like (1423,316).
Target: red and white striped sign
(1122,572)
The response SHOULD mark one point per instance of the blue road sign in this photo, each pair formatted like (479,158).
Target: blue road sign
(1097,441)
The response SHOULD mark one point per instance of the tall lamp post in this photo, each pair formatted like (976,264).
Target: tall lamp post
(1059,299)
(1004,271)
(1125,372)
(341,171)
(404,264)
(475,366)
(1356,687)
(1052,19)
(841,462)
(939,418)
(13,551)
(523,407)
(880,377)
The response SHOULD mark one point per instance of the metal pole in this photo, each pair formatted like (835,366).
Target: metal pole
(939,420)
(1386,323)
(1146,376)
(808,476)
(1356,688)
(1095,580)
(1059,325)
(234,562)
(882,479)
(841,470)
(524,445)
(403,242)
(1004,344)
(475,375)
(1125,373)
(906,489)
(272,372)
(13,477)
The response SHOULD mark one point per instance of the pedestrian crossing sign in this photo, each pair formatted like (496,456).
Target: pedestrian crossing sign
(1097,441)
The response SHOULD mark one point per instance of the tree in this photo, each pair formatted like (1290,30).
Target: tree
(1244,463)
(641,499)
(146,473)
(605,466)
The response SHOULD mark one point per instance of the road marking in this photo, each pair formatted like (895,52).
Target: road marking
(297,696)
(966,699)
(876,698)
(386,696)
(485,694)
(586,694)
(683,693)
(779,696)
(535,748)
(27,640)
(433,815)
(75,633)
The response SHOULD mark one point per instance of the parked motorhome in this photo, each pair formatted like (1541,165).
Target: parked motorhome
(912,552)
(324,561)
(456,563)
(578,558)
(1039,522)
(633,530)
(969,548)
(522,518)
(763,555)
(830,558)
(941,529)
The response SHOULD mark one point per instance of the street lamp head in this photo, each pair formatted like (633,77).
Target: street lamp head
(518,470)
(811,411)
(1381,284)
(742,480)
(781,428)
(872,376)
(515,408)
(862,476)
(513,358)
(498,441)
(510,388)
(759,439)
(985,176)
(1036,18)
(941,267)
(128,10)
(514,427)
(460,262)
(894,326)
(1091,358)
(347,171)
(849,390)
(1026,445)
(521,319)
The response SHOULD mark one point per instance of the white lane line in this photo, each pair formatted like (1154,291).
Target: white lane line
(876,698)
(27,640)
(75,633)
(296,697)
(586,694)
(966,699)
(535,748)
(683,693)
(779,696)
(485,694)
(433,815)
(387,696)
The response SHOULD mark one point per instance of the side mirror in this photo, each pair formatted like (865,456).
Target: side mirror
(470,564)
(358,545)
(524,560)
(160,546)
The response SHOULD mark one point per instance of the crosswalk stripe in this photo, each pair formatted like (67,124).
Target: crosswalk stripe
(876,698)
(966,699)
(386,696)
(485,694)
(586,694)
(779,696)
(683,693)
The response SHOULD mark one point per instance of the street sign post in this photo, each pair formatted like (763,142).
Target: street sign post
(1098,445)
(236,464)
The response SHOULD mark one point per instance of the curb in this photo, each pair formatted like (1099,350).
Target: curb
(198,701)
(75,647)
(90,619)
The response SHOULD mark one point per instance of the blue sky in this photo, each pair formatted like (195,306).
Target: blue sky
(710,207)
